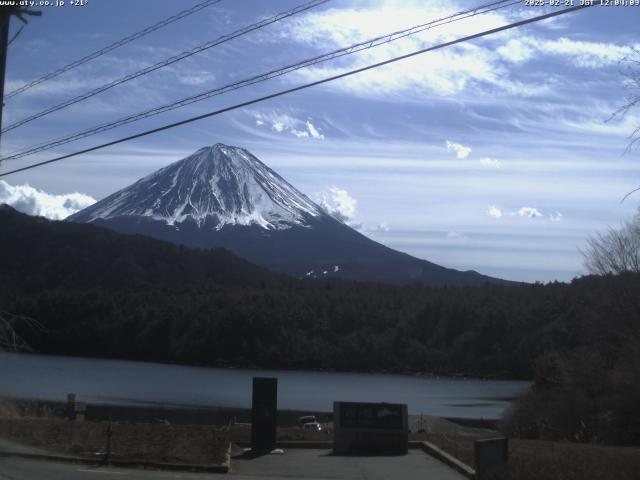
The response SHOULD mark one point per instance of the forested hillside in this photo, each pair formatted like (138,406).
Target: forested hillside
(38,254)
(486,331)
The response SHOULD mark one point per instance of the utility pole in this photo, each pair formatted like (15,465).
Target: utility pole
(5,19)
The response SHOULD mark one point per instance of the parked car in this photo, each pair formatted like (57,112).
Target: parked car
(309,422)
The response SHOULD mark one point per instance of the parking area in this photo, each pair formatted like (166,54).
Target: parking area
(321,464)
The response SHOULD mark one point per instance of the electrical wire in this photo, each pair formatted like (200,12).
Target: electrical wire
(15,35)
(301,87)
(167,62)
(367,44)
(113,46)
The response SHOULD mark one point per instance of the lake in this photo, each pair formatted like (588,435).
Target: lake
(122,382)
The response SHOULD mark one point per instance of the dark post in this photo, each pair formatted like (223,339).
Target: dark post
(81,411)
(71,406)
(264,413)
(5,16)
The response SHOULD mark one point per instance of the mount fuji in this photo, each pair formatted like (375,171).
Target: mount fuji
(223,196)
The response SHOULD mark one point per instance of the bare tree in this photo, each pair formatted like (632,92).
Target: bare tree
(9,339)
(616,250)
(631,71)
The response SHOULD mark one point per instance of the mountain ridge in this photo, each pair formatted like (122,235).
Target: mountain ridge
(37,253)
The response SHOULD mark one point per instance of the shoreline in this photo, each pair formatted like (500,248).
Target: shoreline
(180,415)
(432,375)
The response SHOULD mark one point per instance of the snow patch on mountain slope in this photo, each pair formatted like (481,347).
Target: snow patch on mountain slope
(220,184)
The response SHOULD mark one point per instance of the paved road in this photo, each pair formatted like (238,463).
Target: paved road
(321,465)
(22,469)
(299,464)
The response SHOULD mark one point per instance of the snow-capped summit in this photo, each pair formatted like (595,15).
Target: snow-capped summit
(216,186)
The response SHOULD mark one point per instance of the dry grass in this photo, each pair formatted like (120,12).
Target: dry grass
(8,409)
(194,444)
(541,460)
(530,459)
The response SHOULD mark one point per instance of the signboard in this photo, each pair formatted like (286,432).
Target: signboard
(491,455)
(374,428)
(371,415)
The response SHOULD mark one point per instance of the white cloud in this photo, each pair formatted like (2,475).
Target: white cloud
(494,212)
(586,54)
(300,134)
(441,72)
(32,201)
(339,27)
(517,50)
(490,162)
(351,24)
(285,123)
(278,122)
(529,212)
(484,67)
(523,212)
(313,131)
(456,235)
(338,203)
(460,150)
(196,79)
(447,71)
(556,217)
(368,230)
(580,53)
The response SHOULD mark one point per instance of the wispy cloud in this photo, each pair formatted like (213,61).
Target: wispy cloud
(490,162)
(484,66)
(196,78)
(556,217)
(454,235)
(286,123)
(586,54)
(583,54)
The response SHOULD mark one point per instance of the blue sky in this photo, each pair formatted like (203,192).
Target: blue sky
(493,155)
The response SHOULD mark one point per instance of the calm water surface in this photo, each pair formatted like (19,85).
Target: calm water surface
(139,383)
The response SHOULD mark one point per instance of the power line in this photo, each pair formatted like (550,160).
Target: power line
(16,35)
(167,62)
(367,44)
(302,87)
(113,46)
